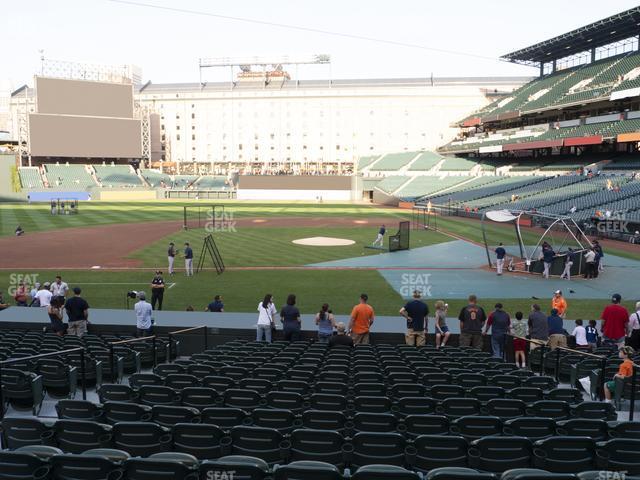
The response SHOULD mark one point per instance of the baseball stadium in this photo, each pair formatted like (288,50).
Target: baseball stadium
(277,278)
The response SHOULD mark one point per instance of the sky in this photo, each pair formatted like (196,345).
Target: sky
(167,44)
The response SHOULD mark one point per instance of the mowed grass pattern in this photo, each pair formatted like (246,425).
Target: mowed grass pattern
(37,217)
(273,247)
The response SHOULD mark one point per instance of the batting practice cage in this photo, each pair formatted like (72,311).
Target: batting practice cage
(201,216)
(400,241)
(524,244)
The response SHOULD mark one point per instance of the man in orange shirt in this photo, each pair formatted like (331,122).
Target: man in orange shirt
(559,303)
(625,370)
(362,317)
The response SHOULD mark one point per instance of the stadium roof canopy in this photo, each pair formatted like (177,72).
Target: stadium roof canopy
(603,32)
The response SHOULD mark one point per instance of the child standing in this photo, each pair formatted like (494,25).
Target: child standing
(580,334)
(625,370)
(519,329)
(592,335)
(442,330)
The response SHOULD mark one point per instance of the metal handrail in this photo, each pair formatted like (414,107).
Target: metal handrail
(82,351)
(123,342)
(185,330)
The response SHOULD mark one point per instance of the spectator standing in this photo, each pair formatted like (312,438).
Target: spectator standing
(538,326)
(77,313)
(580,334)
(143,312)
(591,332)
(44,295)
(3,304)
(559,303)
(590,260)
(615,318)
(216,305)
(20,295)
(340,339)
(59,288)
(266,312)
(500,324)
(633,328)
(519,329)
(157,290)
(188,259)
(171,257)
(442,329)
(557,337)
(625,370)
(54,310)
(362,317)
(500,254)
(568,263)
(32,293)
(472,318)
(325,320)
(290,318)
(416,314)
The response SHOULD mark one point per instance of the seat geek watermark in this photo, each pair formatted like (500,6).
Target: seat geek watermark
(608,475)
(412,282)
(220,222)
(28,279)
(220,474)
(615,223)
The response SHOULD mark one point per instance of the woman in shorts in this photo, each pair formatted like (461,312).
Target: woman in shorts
(442,330)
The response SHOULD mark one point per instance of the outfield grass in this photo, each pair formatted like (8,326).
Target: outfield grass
(37,217)
(268,247)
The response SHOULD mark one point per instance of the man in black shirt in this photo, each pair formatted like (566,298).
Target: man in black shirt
(157,290)
(171,256)
(416,313)
(472,318)
(341,339)
(78,313)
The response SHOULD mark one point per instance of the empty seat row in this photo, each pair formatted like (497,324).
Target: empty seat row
(423,452)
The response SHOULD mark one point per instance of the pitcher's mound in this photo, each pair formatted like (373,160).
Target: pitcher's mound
(324,241)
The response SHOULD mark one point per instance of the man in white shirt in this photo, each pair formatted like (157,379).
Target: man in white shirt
(59,288)
(633,328)
(143,316)
(580,334)
(44,295)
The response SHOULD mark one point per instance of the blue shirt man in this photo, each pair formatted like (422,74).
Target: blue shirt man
(216,305)
(188,252)
(555,322)
(548,255)
(500,252)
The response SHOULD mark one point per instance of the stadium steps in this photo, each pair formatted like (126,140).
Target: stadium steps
(30,177)
(425,162)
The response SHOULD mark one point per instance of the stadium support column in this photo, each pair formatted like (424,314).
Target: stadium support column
(541,69)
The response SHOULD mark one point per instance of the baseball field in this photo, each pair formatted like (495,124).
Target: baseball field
(109,249)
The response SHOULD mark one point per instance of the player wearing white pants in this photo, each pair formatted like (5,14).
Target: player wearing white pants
(568,263)
(500,254)
(378,242)
(171,256)
(188,260)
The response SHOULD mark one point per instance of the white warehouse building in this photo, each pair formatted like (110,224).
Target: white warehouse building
(316,125)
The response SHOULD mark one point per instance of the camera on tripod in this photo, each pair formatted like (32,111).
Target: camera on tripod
(132,294)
